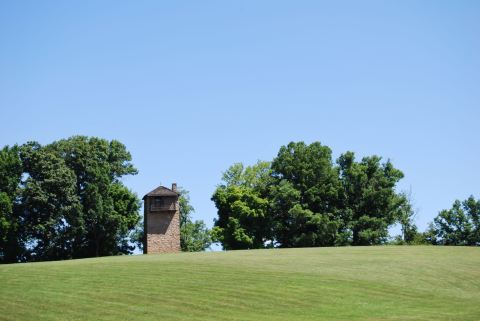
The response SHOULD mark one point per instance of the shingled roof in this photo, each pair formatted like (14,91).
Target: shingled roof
(161,191)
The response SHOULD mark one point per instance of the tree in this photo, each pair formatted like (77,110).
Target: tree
(194,236)
(243,221)
(304,196)
(124,218)
(369,198)
(410,234)
(304,199)
(65,200)
(49,204)
(109,211)
(458,225)
(11,242)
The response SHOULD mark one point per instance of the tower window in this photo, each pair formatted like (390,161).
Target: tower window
(158,202)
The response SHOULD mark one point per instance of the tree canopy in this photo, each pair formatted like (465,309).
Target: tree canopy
(66,200)
(302,198)
(242,207)
(11,240)
(459,225)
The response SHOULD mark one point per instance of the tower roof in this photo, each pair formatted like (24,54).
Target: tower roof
(161,191)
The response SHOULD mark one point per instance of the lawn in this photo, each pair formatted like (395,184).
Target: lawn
(348,283)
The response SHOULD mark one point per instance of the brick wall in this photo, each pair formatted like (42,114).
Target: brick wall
(162,229)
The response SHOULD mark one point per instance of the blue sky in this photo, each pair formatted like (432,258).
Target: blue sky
(190,87)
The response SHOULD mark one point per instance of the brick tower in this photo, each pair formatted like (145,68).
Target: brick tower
(161,220)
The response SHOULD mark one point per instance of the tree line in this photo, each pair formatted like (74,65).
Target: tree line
(66,200)
(302,198)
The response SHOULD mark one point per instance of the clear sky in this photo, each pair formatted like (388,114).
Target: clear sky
(190,87)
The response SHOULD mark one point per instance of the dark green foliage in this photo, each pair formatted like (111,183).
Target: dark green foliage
(305,196)
(369,197)
(308,168)
(137,236)
(194,235)
(459,225)
(6,210)
(11,241)
(109,210)
(70,202)
(10,170)
(303,199)
(49,203)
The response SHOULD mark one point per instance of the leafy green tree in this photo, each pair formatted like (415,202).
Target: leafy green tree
(138,235)
(6,210)
(66,200)
(458,225)
(194,235)
(304,199)
(304,196)
(185,208)
(123,219)
(11,241)
(310,170)
(472,207)
(50,206)
(369,197)
(243,221)
(282,199)
(109,211)
(410,234)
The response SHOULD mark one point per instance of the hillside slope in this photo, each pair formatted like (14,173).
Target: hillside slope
(351,283)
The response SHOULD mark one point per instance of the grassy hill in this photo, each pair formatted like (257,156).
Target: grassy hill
(351,283)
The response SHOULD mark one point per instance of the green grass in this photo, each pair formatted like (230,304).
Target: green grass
(350,283)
